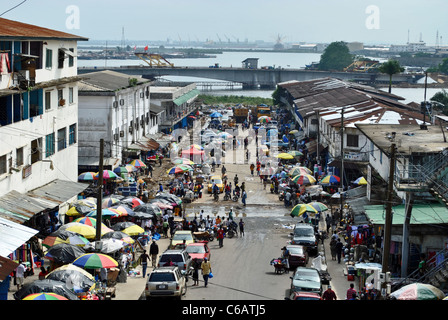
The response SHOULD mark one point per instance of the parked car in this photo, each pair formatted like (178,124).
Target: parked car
(199,250)
(218,181)
(179,258)
(298,257)
(306,280)
(303,235)
(278,143)
(179,237)
(166,282)
(304,296)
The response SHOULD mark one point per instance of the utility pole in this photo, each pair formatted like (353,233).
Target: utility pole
(99,198)
(341,189)
(388,220)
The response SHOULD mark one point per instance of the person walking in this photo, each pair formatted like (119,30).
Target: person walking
(195,274)
(333,243)
(329,294)
(252,168)
(351,292)
(144,257)
(339,247)
(206,270)
(244,197)
(220,237)
(20,274)
(241,224)
(154,251)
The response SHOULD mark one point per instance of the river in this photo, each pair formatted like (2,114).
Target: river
(234,59)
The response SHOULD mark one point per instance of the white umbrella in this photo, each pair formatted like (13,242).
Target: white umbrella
(107,245)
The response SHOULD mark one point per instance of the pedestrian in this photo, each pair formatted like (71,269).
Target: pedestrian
(241,224)
(20,274)
(160,187)
(103,276)
(422,265)
(252,167)
(220,236)
(144,257)
(339,247)
(333,243)
(328,222)
(351,292)
(244,197)
(329,294)
(231,214)
(195,274)
(154,251)
(43,272)
(206,270)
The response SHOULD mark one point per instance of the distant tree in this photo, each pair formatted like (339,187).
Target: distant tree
(441,98)
(390,67)
(335,57)
(443,67)
(276,96)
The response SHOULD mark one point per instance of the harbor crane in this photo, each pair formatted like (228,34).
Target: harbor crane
(154,60)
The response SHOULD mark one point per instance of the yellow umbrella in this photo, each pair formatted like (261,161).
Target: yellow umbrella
(360,181)
(88,232)
(133,230)
(285,156)
(73,212)
(301,208)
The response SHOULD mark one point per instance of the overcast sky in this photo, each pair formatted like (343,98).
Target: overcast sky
(371,22)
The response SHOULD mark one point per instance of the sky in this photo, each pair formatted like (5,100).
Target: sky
(318,21)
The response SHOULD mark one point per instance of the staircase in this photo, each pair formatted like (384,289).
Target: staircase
(436,273)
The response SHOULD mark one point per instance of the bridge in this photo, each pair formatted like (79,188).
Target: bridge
(255,78)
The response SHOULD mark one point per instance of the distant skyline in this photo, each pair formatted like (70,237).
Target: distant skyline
(321,21)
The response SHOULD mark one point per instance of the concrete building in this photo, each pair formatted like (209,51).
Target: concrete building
(117,108)
(38,119)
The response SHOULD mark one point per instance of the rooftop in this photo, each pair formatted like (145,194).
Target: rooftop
(10,29)
(409,139)
(106,80)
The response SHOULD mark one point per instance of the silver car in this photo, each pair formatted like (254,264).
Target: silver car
(179,258)
(166,282)
(306,280)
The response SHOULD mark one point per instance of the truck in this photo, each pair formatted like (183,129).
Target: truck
(263,110)
(240,114)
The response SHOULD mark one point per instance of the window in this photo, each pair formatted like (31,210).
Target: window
(3,166)
(352,140)
(72,134)
(19,157)
(48,100)
(62,139)
(70,95)
(49,59)
(49,145)
(71,59)
(61,100)
(36,150)
(61,57)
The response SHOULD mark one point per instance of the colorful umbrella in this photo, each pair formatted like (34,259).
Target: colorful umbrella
(285,156)
(182,161)
(137,163)
(44,296)
(215,115)
(295,153)
(298,171)
(45,285)
(133,230)
(303,179)
(107,212)
(86,176)
(225,135)
(90,221)
(109,245)
(88,232)
(107,174)
(90,202)
(360,181)
(180,168)
(80,279)
(264,119)
(132,201)
(301,208)
(109,202)
(95,261)
(65,237)
(330,179)
(123,209)
(119,235)
(124,169)
(196,146)
(149,208)
(319,206)
(418,291)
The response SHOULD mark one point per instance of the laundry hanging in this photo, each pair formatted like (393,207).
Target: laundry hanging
(5,67)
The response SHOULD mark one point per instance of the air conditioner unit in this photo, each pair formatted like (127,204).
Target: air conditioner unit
(122,134)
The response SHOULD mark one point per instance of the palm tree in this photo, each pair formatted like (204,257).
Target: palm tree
(390,67)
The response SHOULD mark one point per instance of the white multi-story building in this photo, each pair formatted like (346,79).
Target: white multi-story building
(38,107)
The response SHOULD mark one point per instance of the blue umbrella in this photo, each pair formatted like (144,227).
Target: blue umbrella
(216,115)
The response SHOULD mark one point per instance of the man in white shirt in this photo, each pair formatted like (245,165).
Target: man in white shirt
(20,275)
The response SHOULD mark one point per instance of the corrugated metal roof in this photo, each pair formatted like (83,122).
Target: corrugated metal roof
(13,235)
(14,29)
(18,207)
(107,80)
(421,214)
(57,192)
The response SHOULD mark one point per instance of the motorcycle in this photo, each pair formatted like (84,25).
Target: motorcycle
(232,230)
(227,196)
(281,196)
(236,196)
(216,196)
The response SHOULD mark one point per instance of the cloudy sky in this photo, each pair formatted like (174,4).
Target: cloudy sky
(368,21)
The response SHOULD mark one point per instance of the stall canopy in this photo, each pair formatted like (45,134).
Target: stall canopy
(13,235)
(421,214)
(145,144)
(186,97)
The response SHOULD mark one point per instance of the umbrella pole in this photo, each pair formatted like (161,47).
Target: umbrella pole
(99,205)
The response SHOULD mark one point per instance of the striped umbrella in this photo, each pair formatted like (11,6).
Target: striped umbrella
(301,208)
(360,181)
(180,168)
(95,261)
(295,153)
(123,209)
(65,236)
(124,169)
(137,163)
(303,179)
(107,174)
(89,221)
(264,119)
(319,206)
(44,296)
(107,212)
(86,176)
(132,201)
(196,146)
(109,202)
(298,171)
(182,161)
(330,179)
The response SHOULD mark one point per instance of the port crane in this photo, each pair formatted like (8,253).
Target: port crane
(154,60)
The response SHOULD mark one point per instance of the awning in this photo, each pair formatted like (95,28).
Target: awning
(56,192)
(12,236)
(18,207)
(67,52)
(155,109)
(145,144)
(424,214)
(186,97)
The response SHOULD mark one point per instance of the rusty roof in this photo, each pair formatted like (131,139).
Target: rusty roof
(10,29)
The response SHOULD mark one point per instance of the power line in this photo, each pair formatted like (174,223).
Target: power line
(13,7)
